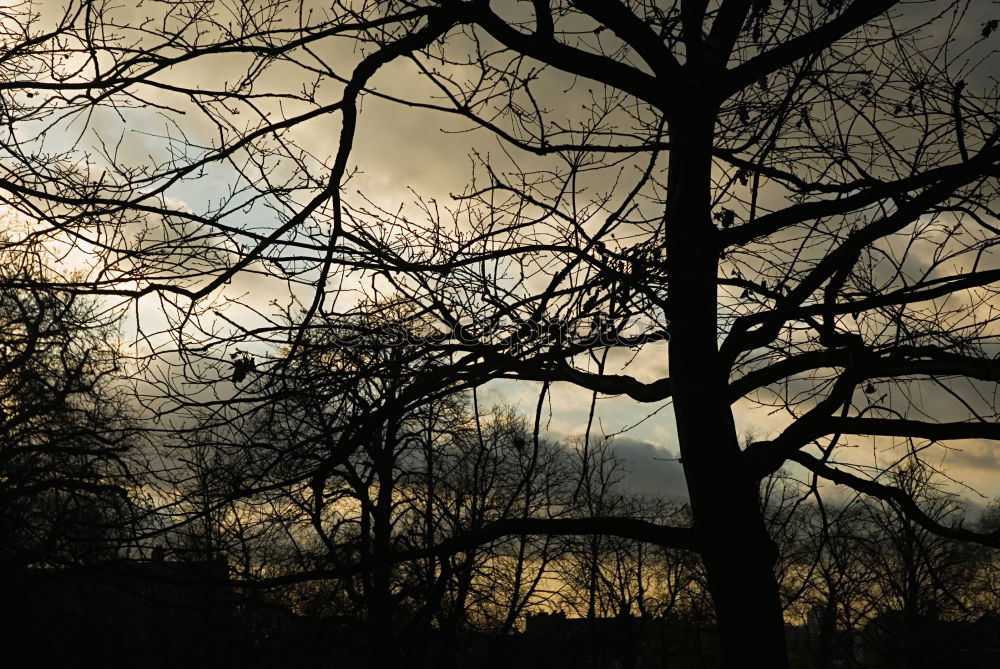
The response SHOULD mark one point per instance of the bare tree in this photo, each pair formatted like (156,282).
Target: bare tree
(920,578)
(801,195)
(67,446)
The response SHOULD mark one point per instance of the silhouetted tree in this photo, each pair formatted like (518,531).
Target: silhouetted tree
(66,441)
(799,195)
(919,578)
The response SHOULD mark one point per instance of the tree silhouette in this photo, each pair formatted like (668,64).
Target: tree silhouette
(67,447)
(799,195)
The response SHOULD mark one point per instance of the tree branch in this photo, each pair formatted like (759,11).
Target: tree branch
(953,175)
(569,59)
(636,33)
(856,15)
(897,498)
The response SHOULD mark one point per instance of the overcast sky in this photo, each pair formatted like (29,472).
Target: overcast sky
(405,151)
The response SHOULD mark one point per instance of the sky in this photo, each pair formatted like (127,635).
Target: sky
(406,153)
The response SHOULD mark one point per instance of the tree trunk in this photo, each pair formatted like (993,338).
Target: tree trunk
(385,646)
(737,552)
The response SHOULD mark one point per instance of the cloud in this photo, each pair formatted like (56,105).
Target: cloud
(651,468)
(976,463)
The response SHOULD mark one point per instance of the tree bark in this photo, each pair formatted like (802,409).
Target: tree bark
(738,554)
